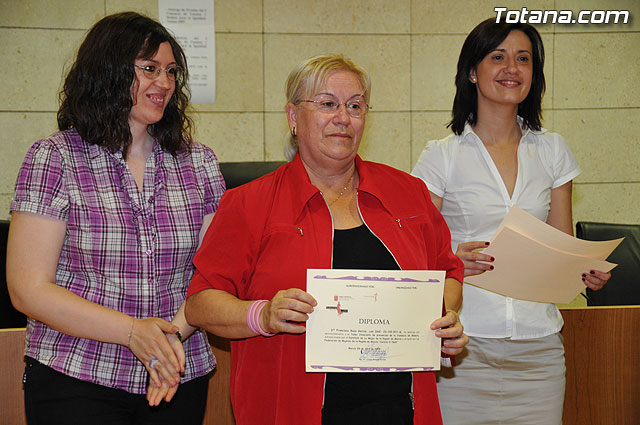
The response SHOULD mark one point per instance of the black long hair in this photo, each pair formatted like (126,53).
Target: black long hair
(96,98)
(480,42)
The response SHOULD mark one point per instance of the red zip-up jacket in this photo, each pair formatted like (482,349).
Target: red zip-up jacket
(264,237)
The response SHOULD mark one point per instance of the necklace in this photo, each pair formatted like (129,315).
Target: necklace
(344,189)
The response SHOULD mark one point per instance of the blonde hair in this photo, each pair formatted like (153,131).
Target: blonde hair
(307,78)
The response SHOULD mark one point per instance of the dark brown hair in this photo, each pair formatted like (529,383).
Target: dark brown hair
(96,96)
(480,42)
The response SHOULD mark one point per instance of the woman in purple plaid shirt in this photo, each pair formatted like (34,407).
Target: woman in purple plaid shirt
(107,215)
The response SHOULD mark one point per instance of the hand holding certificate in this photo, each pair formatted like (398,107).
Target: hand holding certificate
(373,320)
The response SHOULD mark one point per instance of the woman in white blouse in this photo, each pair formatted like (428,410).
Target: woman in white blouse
(499,156)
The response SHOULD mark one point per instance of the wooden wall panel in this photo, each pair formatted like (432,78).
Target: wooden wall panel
(219,410)
(11,370)
(602,351)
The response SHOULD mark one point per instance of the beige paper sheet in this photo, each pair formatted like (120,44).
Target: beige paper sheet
(522,222)
(536,262)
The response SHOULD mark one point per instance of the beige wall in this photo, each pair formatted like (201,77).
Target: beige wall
(410,47)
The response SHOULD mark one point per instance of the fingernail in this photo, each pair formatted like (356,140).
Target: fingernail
(493,259)
(584,275)
(487,243)
(592,272)
(490,267)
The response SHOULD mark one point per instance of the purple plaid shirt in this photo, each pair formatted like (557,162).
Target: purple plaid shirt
(124,249)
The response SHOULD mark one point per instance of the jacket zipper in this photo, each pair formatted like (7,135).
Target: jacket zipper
(324,384)
(332,230)
(399,220)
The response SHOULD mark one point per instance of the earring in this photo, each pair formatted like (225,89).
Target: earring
(293,131)
(474,80)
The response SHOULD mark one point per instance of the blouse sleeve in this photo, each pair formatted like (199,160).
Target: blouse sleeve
(40,186)
(213,181)
(565,167)
(431,167)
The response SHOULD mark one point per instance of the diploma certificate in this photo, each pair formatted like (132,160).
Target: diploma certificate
(373,320)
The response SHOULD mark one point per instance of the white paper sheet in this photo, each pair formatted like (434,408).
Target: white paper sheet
(373,320)
(192,23)
(537,262)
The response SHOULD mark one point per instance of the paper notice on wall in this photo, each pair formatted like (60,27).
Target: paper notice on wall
(191,21)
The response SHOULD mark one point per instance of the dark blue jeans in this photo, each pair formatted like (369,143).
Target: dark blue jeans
(51,397)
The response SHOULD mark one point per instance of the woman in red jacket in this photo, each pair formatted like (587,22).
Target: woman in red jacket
(326,208)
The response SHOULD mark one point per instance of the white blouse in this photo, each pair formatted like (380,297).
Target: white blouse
(460,170)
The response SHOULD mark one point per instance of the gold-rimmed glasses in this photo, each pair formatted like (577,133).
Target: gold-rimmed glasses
(152,72)
(356,107)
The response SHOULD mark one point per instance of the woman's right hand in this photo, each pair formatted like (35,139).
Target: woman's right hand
(149,341)
(287,308)
(165,392)
(472,259)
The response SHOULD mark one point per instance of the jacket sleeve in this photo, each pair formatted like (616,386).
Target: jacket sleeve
(229,249)
(447,259)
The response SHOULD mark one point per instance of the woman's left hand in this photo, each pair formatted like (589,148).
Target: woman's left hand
(155,393)
(595,279)
(450,330)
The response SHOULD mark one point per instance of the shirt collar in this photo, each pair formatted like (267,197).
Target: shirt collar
(303,191)
(526,131)
(299,184)
(97,150)
(374,184)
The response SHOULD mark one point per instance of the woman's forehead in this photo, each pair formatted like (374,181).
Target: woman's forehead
(335,79)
